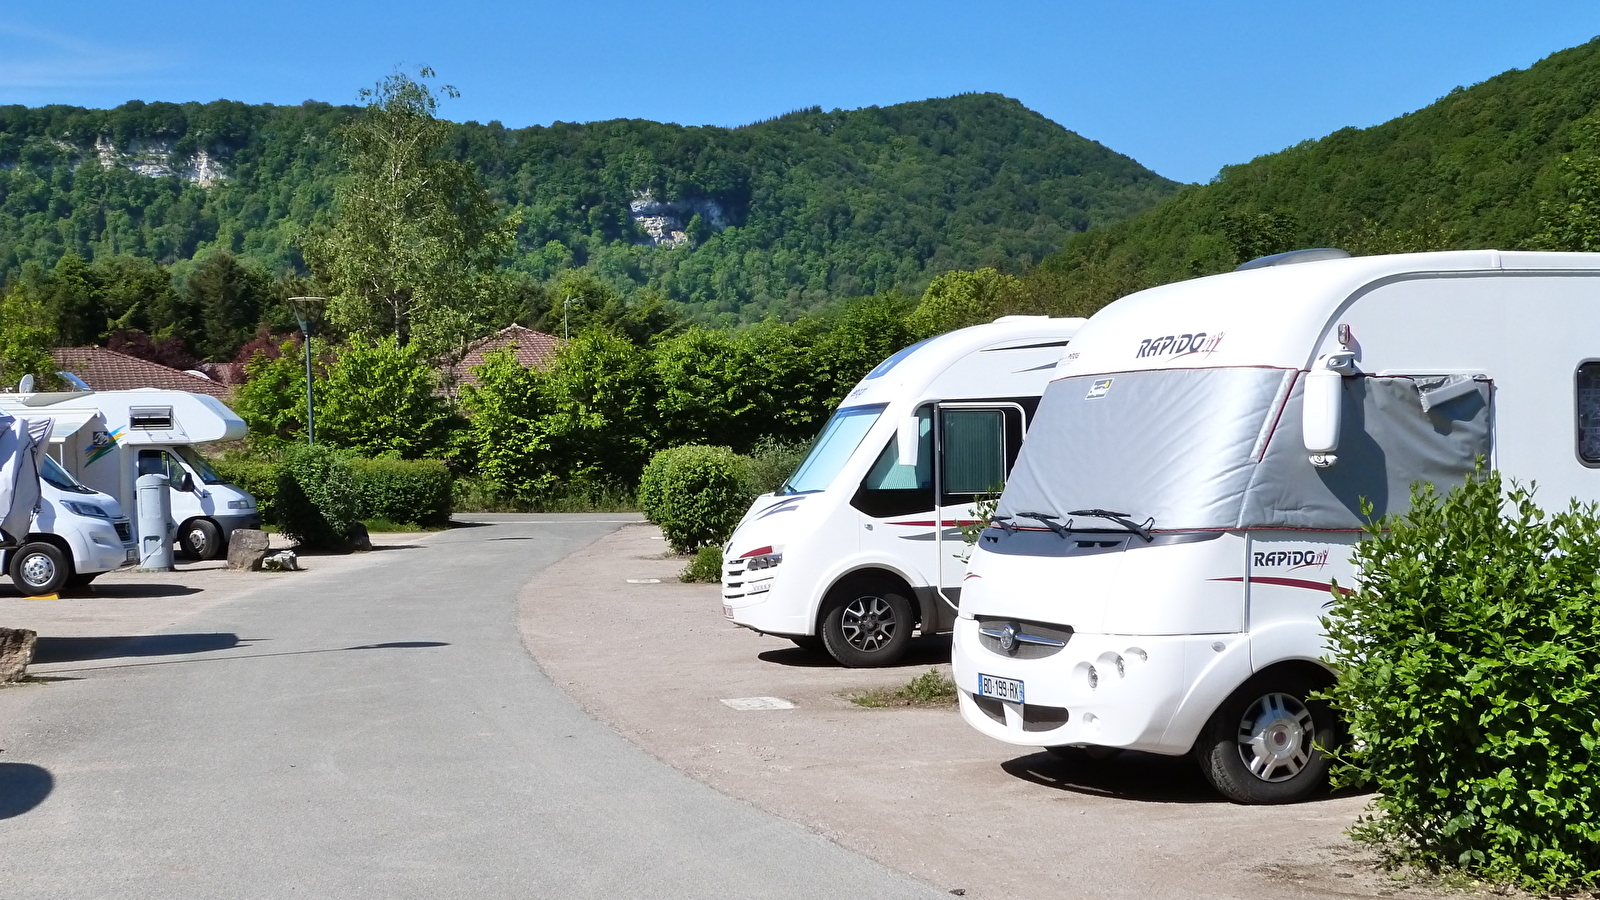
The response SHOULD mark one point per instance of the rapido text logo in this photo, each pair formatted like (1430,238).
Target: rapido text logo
(1179,344)
(1291,559)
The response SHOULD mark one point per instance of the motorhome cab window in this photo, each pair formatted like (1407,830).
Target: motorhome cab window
(839,439)
(199,465)
(154,418)
(160,462)
(52,472)
(1589,413)
(891,489)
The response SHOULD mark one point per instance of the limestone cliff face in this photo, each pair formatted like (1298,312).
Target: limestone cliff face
(156,159)
(664,221)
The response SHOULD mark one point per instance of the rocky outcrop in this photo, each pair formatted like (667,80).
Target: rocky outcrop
(665,222)
(156,159)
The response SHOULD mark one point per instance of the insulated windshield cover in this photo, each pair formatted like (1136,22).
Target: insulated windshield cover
(1221,449)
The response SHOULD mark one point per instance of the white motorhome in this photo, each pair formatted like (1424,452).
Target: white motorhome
(57,533)
(107,439)
(855,552)
(1157,570)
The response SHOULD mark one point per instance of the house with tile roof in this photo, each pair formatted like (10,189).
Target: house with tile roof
(108,370)
(532,348)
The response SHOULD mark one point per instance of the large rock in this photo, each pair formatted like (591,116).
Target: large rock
(246,548)
(16,651)
(360,541)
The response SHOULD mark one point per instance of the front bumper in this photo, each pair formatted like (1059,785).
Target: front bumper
(1138,685)
(231,523)
(763,603)
(104,548)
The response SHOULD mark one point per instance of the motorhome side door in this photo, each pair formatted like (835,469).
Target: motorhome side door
(975,446)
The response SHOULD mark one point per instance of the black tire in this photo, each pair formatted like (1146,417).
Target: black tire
(1265,743)
(866,625)
(201,539)
(39,568)
(809,643)
(81,580)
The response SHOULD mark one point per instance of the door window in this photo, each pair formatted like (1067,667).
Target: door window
(1588,413)
(891,489)
(160,462)
(974,450)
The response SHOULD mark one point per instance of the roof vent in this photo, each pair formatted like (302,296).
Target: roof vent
(1294,256)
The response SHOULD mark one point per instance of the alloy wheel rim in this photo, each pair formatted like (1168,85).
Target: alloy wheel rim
(868,623)
(1276,736)
(38,569)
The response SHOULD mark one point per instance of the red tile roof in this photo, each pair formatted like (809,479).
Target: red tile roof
(108,370)
(532,348)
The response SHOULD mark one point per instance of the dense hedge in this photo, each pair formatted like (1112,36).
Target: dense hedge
(317,501)
(696,494)
(403,490)
(258,477)
(1469,676)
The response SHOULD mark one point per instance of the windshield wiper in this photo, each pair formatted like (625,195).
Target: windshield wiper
(1003,523)
(1048,520)
(1119,518)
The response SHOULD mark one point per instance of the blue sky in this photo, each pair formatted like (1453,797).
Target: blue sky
(1185,88)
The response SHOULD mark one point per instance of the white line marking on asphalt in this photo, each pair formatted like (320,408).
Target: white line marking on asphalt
(644,581)
(744,704)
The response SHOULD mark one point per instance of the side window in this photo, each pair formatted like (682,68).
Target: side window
(890,489)
(1588,413)
(152,462)
(974,451)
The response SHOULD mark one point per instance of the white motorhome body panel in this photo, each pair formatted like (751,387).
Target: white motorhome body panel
(1515,325)
(821,537)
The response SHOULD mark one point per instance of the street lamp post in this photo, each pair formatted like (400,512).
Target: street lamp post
(565,305)
(308,313)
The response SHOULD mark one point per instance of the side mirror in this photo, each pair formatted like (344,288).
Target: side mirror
(1321,408)
(187,484)
(907,436)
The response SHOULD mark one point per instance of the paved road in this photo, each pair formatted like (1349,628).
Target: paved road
(371,731)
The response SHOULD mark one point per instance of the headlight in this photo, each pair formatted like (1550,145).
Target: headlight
(241,504)
(766,561)
(86,509)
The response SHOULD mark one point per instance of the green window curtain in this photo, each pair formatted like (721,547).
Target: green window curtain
(974,450)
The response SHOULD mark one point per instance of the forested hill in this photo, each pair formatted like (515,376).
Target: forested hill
(777,216)
(1468,171)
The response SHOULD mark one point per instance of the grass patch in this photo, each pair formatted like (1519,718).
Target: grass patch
(380,525)
(704,568)
(931,688)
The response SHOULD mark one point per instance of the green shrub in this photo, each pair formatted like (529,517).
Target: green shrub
(317,500)
(403,490)
(772,461)
(258,477)
(696,494)
(1469,677)
(705,568)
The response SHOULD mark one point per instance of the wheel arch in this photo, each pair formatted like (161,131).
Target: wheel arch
(866,573)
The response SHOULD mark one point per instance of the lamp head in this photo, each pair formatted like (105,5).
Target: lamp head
(307,312)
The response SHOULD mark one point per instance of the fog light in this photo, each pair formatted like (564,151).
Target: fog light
(1094,678)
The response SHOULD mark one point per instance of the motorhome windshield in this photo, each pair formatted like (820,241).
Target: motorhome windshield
(200,466)
(839,440)
(59,478)
(1221,449)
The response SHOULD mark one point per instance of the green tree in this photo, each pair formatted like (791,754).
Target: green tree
(505,409)
(381,399)
(26,336)
(414,235)
(272,400)
(959,299)
(1573,223)
(230,296)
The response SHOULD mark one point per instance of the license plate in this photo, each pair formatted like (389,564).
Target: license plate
(1000,688)
(132,556)
(727,611)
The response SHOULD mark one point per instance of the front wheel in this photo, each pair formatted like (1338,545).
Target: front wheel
(1265,743)
(201,539)
(867,625)
(39,568)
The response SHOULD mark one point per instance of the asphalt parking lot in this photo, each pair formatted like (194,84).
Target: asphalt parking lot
(915,789)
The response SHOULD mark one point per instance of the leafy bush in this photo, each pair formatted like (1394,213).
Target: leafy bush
(403,490)
(772,461)
(705,568)
(1469,675)
(258,477)
(317,499)
(695,493)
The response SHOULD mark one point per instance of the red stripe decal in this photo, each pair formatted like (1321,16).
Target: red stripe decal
(1289,582)
(759,551)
